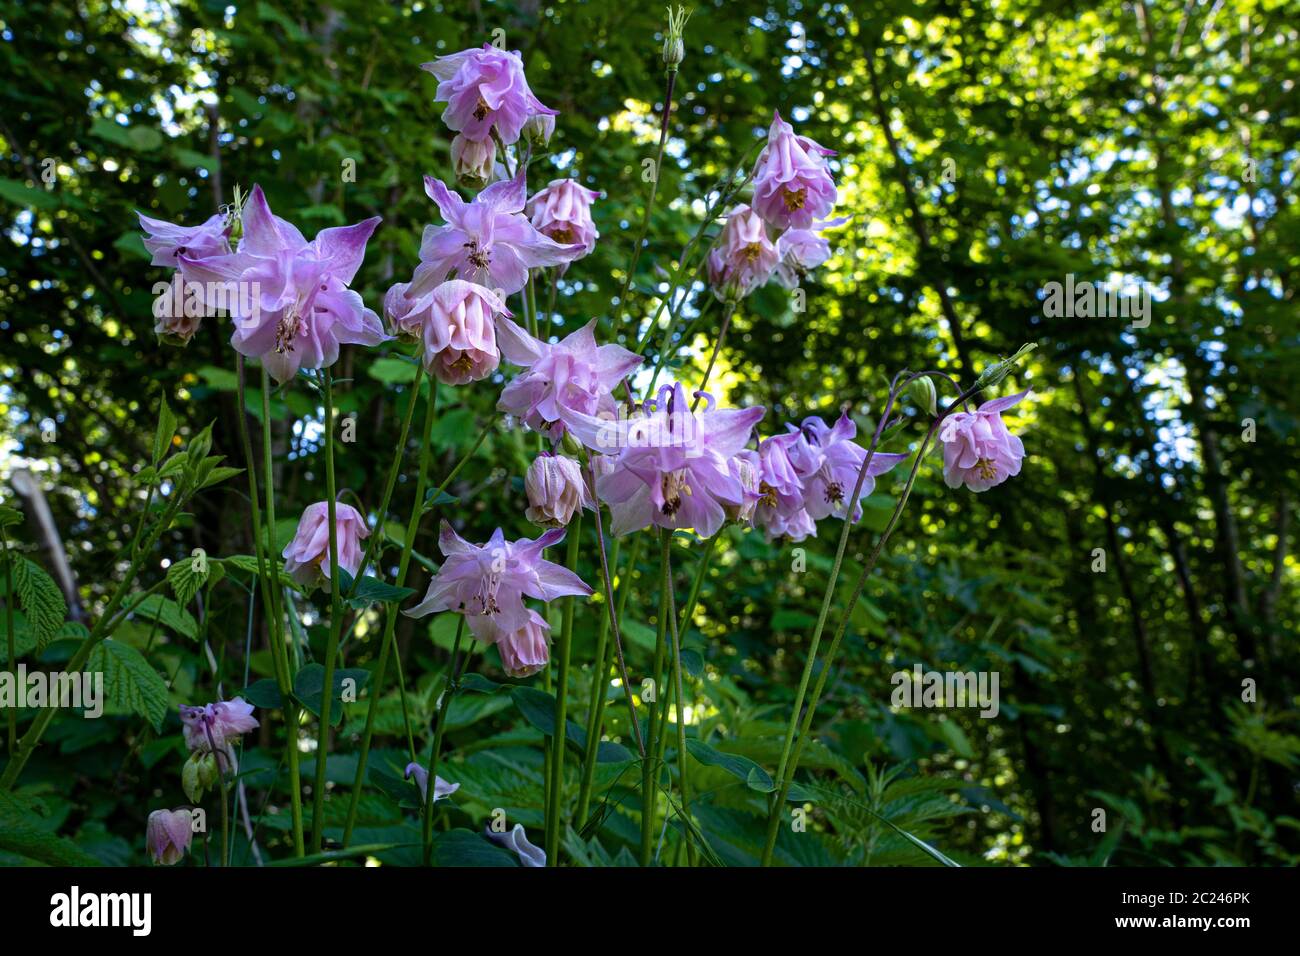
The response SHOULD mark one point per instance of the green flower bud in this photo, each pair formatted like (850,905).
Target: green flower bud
(923,393)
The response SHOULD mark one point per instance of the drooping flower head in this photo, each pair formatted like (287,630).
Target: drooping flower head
(168,834)
(290,297)
(562,381)
(516,841)
(780,511)
(792,185)
(828,463)
(978,450)
(307,557)
(472,161)
(744,257)
(454,321)
(556,490)
(441,788)
(539,128)
(489,241)
(485,89)
(487,583)
(526,651)
(802,250)
(671,464)
(178,312)
(168,242)
(215,728)
(563,211)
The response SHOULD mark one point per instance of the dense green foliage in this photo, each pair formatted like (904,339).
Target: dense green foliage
(984,150)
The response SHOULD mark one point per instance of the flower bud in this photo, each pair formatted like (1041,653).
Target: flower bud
(167,835)
(472,161)
(200,774)
(539,128)
(1000,370)
(526,651)
(923,393)
(555,490)
(674,48)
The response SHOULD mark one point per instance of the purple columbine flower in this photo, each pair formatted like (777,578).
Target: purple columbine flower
(489,241)
(290,297)
(792,185)
(213,728)
(563,211)
(670,465)
(168,834)
(802,250)
(744,257)
(441,788)
(978,450)
(828,463)
(487,583)
(571,378)
(167,242)
(485,88)
(780,512)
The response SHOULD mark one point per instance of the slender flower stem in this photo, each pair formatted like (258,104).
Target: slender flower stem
(558,738)
(649,767)
(390,618)
(787,767)
(618,637)
(10,645)
(336,620)
(669,82)
(273,595)
(682,781)
(448,692)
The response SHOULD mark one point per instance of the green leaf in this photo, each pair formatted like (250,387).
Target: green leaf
(309,684)
(9,516)
(20,836)
(185,581)
(264,694)
(162,438)
(20,194)
(462,847)
(538,708)
(39,597)
(392,371)
(369,590)
(129,680)
(155,607)
(742,768)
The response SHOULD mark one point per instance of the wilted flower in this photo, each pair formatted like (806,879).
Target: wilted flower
(744,257)
(307,558)
(177,313)
(792,186)
(484,89)
(472,161)
(454,321)
(214,728)
(573,377)
(829,462)
(488,241)
(168,243)
(526,651)
(555,489)
(168,834)
(671,469)
(978,450)
(563,211)
(516,841)
(441,788)
(802,250)
(302,309)
(539,128)
(487,583)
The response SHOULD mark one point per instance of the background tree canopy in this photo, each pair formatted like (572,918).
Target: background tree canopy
(1135,587)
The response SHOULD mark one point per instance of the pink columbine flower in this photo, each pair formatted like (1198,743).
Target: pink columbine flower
(454,321)
(441,788)
(307,558)
(214,728)
(978,450)
(802,250)
(539,128)
(526,651)
(744,257)
(671,468)
(792,186)
(290,297)
(565,380)
(489,241)
(563,211)
(780,511)
(177,313)
(472,161)
(556,491)
(487,583)
(828,463)
(168,834)
(485,89)
(168,243)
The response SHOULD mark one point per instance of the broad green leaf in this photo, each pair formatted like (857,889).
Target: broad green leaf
(162,438)
(129,680)
(39,597)
(165,611)
(19,835)
(309,683)
(742,768)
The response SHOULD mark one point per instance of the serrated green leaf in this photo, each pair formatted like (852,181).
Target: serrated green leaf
(185,580)
(129,680)
(162,437)
(39,597)
(19,835)
(165,611)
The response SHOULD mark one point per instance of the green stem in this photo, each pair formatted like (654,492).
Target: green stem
(10,645)
(390,619)
(336,620)
(618,637)
(683,782)
(595,705)
(558,741)
(648,765)
(448,692)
